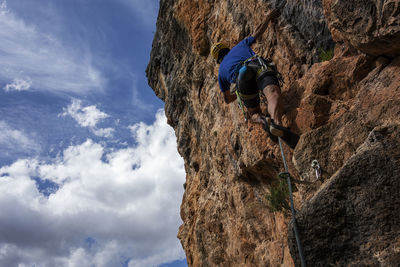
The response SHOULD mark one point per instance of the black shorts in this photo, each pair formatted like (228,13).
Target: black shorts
(249,89)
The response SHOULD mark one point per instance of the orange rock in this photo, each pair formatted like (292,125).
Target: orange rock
(231,165)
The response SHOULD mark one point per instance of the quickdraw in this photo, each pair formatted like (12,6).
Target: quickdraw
(317,168)
(240,103)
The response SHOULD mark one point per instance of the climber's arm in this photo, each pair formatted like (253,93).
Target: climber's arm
(225,85)
(263,26)
(229,97)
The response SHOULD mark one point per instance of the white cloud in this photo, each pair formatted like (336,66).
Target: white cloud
(3,8)
(88,116)
(104,132)
(18,85)
(13,140)
(26,50)
(110,208)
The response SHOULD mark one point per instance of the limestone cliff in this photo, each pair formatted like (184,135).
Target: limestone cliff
(347,111)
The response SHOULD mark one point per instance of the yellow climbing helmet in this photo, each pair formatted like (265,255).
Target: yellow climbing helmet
(216,49)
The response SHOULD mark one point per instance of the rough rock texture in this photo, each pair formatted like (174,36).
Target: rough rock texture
(353,220)
(350,218)
(372,26)
(231,165)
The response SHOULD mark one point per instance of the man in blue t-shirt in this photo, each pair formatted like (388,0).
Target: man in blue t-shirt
(240,65)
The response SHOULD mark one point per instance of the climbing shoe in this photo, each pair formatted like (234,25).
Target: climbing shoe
(285,134)
(275,129)
(267,122)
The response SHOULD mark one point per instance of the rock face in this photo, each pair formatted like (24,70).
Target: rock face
(347,111)
(372,26)
(353,219)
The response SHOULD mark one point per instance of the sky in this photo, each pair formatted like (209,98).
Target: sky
(89,169)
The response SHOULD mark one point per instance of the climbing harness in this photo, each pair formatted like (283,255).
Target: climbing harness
(287,175)
(260,67)
(265,67)
(268,67)
(317,168)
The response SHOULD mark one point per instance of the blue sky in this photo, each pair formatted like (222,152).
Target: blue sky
(89,170)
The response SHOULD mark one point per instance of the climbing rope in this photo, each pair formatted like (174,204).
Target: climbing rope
(286,175)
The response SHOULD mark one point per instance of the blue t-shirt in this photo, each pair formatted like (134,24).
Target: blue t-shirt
(227,69)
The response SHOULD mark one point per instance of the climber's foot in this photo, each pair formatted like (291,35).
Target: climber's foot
(267,122)
(287,136)
(276,130)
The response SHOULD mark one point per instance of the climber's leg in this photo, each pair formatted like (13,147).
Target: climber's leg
(275,105)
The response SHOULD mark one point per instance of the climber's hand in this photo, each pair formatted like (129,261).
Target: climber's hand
(229,96)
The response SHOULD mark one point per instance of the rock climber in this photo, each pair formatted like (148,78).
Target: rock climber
(240,65)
